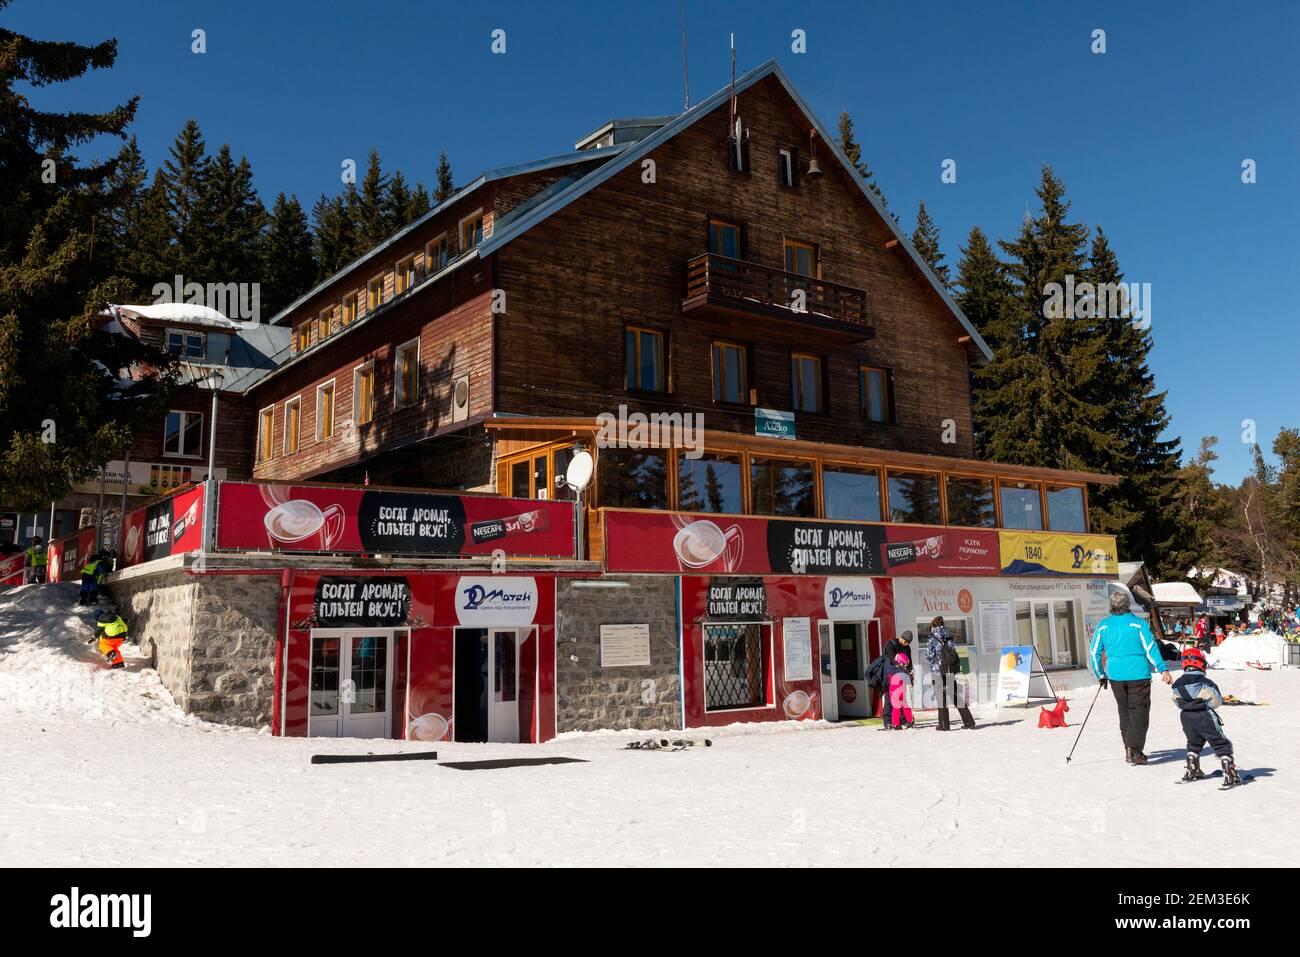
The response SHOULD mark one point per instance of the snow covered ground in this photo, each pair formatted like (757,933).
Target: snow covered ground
(101,769)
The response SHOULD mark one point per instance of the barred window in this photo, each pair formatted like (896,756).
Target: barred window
(735,666)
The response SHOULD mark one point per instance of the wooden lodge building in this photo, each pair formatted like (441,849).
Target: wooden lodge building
(723,271)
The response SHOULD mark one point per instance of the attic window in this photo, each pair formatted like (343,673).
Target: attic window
(738,148)
(187,345)
(785,166)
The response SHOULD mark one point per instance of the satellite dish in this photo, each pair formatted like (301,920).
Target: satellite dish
(578,474)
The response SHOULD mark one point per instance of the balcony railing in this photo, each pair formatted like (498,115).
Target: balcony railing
(738,285)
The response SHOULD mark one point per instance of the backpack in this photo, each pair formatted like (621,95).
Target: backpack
(951,660)
(876,672)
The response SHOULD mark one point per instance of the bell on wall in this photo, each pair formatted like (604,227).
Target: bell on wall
(813,168)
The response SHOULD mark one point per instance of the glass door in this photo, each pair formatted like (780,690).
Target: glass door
(351,684)
(830,696)
(851,669)
(324,707)
(503,672)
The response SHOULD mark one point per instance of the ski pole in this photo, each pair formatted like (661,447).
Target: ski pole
(1085,723)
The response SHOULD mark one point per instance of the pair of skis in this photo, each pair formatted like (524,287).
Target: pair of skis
(663,744)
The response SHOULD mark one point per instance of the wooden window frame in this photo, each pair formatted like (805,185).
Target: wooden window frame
(463,247)
(882,489)
(636,330)
(185,415)
(294,446)
(781,457)
(330,386)
(357,370)
(787,243)
(796,392)
(888,510)
(444,240)
(400,399)
(402,269)
(943,495)
(1042,502)
(863,369)
(1047,516)
(302,336)
(733,224)
(715,369)
(344,319)
(266,437)
(370,285)
(325,322)
(186,335)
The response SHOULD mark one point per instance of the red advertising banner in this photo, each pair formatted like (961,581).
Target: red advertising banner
(68,554)
(307,518)
(12,569)
(171,526)
(926,550)
(689,543)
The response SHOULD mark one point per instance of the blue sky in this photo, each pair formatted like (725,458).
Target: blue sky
(1148,137)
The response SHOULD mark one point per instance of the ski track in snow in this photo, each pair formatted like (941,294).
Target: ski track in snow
(102,769)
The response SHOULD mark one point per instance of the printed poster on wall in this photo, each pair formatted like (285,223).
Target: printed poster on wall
(308,518)
(797,637)
(623,646)
(680,542)
(996,624)
(1057,553)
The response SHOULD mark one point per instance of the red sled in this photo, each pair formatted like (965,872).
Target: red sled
(1054,717)
(1259,666)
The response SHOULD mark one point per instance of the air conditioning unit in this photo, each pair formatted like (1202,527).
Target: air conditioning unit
(460,398)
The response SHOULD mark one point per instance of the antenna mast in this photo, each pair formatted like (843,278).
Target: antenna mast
(686,67)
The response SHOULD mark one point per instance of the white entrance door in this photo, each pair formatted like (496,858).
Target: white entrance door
(351,683)
(503,692)
(830,692)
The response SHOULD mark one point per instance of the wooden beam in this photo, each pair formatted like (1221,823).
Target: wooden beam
(890,244)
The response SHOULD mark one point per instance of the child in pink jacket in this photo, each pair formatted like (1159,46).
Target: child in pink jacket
(900,688)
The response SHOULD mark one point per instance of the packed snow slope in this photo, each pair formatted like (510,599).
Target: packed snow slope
(101,769)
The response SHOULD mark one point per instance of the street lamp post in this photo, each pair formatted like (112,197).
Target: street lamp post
(211,381)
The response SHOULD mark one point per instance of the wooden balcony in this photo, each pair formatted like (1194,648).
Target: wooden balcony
(728,288)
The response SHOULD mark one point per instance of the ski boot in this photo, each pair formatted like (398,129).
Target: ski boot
(1138,757)
(1230,776)
(1193,772)
(1128,755)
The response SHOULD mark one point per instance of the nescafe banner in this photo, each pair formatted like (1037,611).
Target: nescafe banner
(171,526)
(376,601)
(736,599)
(336,519)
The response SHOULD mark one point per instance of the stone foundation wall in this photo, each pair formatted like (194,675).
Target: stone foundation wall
(211,639)
(590,697)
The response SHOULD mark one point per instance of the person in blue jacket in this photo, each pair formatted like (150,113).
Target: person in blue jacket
(1123,656)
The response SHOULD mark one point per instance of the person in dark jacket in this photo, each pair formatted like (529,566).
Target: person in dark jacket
(1197,698)
(895,646)
(945,666)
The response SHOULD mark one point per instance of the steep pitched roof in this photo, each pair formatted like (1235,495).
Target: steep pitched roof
(641,148)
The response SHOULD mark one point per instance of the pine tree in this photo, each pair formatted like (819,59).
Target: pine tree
(983,291)
(926,240)
(237,220)
(397,201)
(367,209)
(444,188)
(185,177)
(333,236)
(853,151)
(63,409)
(288,264)
(1035,403)
(419,204)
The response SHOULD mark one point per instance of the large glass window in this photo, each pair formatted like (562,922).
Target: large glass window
(781,487)
(873,393)
(806,382)
(644,355)
(1049,626)
(730,373)
(1065,508)
(711,483)
(324,676)
(970,502)
(914,497)
(633,478)
(1021,505)
(183,433)
(851,493)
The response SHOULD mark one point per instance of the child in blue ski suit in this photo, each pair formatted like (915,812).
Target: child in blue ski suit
(1197,698)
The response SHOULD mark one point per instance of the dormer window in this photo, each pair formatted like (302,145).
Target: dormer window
(404,275)
(471,231)
(187,345)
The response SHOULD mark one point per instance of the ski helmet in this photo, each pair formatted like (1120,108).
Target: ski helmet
(902,660)
(106,616)
(1193,658)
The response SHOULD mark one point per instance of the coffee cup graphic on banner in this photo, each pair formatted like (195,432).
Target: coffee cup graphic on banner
(301,523)
(702,545)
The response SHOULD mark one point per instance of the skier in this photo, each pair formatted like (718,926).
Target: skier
(111,630)
(945,665)
(92,576)
(900,689)
(38,559)
(1197,698)
(881,670)
(1131,654)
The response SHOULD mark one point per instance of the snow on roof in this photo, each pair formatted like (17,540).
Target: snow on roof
(187,312)
(1176,593)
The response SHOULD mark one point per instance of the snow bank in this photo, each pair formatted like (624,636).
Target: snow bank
(1264,647)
